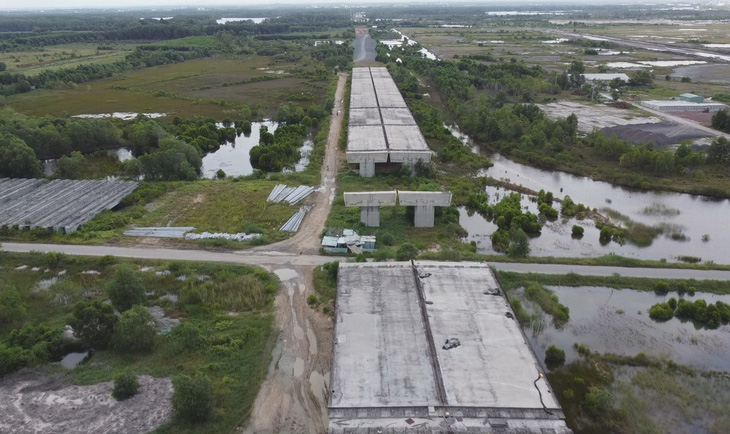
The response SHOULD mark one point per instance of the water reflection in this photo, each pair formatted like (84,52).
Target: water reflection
(696,216)
(608,321)
(234,158)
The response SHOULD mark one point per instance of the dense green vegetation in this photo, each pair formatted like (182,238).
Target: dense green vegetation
(231,349)
(681,286)
(710,315)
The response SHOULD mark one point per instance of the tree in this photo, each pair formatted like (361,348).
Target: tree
(519,243)
(192,399)
(721,121)
(125,386)
(641,78)
(175,160)
(184,337)
(406,252)
(70,167)
(126,288)
(136,331)
(17,159)
(94,323)
(554,356)
(12,307)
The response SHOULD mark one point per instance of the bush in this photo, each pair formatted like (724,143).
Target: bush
(136,331)
(406,252)
(94,323)
(577,231)
(360,257)
(387,239)
(661,312)
(125,386)
(554,357)
(192,399)
(126,288)
(12,307)
(598,401)
(661,287)
(312,300)
(184,337)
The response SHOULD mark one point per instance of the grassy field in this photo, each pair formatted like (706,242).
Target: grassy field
(209,205)
(510,280)
(64,56)
(202,87)
(230,306)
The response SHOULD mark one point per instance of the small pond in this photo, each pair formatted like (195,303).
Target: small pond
(71,360)
(234,158)
(608,321)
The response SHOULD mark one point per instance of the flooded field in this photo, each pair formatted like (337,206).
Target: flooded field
(617,321)
(234,158)
(693,218)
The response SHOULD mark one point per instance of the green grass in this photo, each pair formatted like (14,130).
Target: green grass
(200,87)
(229,206)
(325,283)
(510,280)
(236,350)
(55,57)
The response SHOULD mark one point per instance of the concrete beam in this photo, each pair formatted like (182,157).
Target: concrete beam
(371,198)
(425,203)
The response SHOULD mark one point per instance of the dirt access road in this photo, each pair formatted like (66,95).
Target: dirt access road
(294,395)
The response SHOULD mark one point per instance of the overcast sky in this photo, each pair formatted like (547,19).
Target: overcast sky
(167,4)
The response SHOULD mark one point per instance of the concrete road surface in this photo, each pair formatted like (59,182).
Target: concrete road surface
(273,258)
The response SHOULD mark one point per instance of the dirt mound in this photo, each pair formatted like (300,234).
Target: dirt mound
(662,134)
(36,403)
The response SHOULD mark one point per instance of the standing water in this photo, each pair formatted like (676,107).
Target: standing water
(698,222)
(234,157)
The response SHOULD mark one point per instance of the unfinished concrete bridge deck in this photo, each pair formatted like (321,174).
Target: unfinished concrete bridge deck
(381,127)
(390,372)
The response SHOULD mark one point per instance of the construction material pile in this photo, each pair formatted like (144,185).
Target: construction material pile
(290,194)
(292,225)
(241,236)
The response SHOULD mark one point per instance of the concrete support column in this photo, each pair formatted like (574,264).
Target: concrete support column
(424,216)
(367,168)
(370,216)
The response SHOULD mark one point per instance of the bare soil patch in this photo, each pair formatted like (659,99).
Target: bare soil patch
(33,402)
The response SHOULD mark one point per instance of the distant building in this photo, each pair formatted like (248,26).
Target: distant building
(690,97)
(350,241)
(607,77)
(683,106)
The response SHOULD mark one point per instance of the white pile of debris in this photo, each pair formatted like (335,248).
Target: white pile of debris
(241,236)
(289,194)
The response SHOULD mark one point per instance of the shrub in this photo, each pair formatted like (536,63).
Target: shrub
(220,174)
(192,399)
(577,231)
(360,257)
(125,386)
(661,287)
(554,357)
(184,337)
(136,331)
(406,252)
(598,401)
(661,312)
(126,288)
(12,307)
(312,300)
(94,323)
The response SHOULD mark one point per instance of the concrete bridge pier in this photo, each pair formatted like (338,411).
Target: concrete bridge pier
(370,203)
